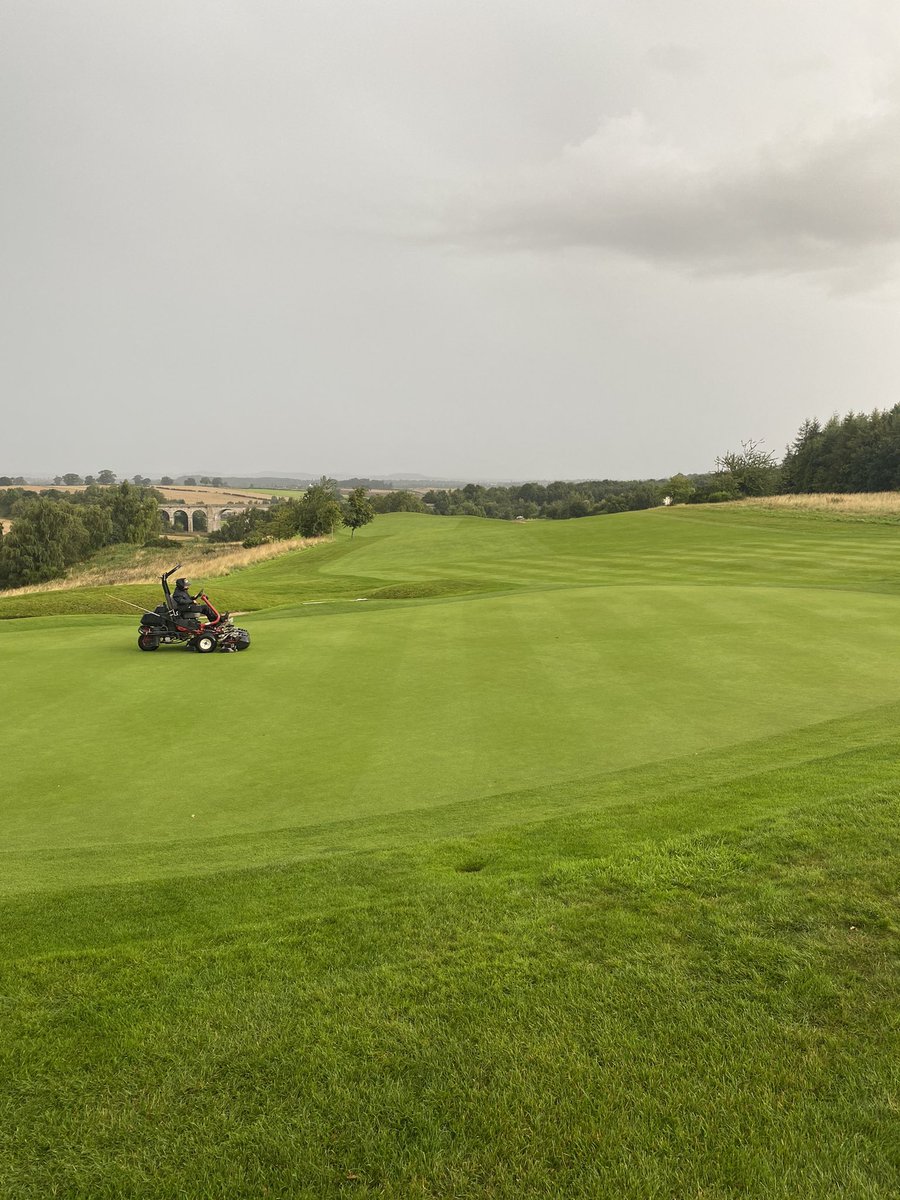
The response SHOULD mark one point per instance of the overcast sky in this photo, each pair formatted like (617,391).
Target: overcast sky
(467,238)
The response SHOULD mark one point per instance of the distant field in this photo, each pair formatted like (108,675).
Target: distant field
(208,495)
(553,859)
(195,495)
(285,492)
(288,492)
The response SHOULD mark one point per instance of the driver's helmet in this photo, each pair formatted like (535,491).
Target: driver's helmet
(183,583)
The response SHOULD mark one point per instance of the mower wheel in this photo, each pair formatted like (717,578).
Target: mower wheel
(204,644)
(147,642)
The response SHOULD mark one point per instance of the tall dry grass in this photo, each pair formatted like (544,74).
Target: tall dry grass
(870,504)
(147,564)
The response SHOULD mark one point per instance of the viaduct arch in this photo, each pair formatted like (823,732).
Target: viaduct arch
(214,514)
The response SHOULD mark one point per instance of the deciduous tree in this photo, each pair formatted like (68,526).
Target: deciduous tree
(47,537)
(750,472)
(320,508)
(134,513)
(358,511)
(680,489)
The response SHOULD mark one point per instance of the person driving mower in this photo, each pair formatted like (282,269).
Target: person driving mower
(173,622)
(185,603)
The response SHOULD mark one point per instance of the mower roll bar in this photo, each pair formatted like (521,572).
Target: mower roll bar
(165,587)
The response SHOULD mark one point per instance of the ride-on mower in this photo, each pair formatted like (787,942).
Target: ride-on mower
(166,626)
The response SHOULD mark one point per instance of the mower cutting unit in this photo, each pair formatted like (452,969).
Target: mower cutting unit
(165,626)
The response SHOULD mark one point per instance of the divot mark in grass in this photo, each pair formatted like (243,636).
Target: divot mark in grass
(337,600)
(472,867)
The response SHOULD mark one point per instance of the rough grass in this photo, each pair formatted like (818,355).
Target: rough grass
(145,565)
(856,503)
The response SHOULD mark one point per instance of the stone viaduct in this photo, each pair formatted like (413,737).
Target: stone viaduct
(188,518)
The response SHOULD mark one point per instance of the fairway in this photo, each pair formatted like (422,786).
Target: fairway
(398,708)
(515,859)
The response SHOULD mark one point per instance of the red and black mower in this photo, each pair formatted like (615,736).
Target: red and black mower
(165,626)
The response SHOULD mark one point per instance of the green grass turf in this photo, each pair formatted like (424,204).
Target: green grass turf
(423,555)
(564,865)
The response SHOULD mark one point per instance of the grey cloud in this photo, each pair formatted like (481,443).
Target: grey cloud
(810,64)
(214,206)
(828,207)
(675,59)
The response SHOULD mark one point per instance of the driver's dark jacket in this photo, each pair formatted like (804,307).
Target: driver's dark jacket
(183,600)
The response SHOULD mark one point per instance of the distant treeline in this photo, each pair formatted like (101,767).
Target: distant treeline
(557,501)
